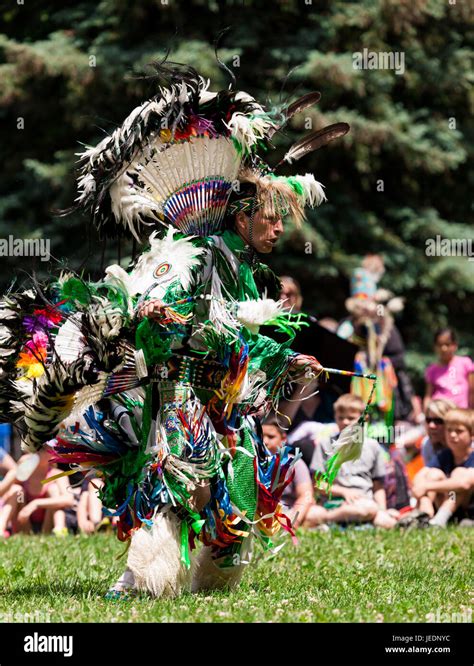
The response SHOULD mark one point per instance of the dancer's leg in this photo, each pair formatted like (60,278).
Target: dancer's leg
(154,558)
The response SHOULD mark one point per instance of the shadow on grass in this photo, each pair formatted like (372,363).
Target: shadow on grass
(77,589)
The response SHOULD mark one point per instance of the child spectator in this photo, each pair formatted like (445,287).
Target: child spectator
(447,483)
(452,378)
(298,496)
(435,439)
(29,505)
(358,493)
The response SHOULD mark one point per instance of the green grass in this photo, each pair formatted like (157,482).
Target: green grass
(347,576)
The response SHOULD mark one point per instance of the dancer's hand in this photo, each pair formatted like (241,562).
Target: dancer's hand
(153,309)
(308,366)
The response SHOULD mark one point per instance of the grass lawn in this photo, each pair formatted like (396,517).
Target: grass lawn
(351,576)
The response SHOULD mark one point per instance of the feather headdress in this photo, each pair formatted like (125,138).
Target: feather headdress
(174,158)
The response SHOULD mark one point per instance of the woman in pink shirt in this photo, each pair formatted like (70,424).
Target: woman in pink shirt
(452,378)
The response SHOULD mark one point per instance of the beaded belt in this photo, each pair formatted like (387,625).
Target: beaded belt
(196,372)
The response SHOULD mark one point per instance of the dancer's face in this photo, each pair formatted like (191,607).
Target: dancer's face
(265,231)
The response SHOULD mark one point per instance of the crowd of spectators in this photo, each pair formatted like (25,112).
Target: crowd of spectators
(422,476)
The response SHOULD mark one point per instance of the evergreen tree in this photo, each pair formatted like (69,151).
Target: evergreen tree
(401,177)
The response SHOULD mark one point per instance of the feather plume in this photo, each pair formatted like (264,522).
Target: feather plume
(176,256)
(304,102)
(347,447)
(314,141)
(255,313)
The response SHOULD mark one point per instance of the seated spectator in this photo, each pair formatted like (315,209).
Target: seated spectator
(435,440)
(85,514)
(419,443)
(305,435)
(452,378)
(298,496)
(446,484)
(358,493)
(396,479)
(89,510)
(29,505)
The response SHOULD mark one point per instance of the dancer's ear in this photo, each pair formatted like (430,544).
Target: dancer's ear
(242,224)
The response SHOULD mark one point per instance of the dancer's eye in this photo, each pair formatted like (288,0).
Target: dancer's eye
(162,269)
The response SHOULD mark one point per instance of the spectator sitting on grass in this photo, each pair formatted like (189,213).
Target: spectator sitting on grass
(298,496)
(358,493)
(29,505)
(435,440)
(446,484)
(85,514)
(89,510)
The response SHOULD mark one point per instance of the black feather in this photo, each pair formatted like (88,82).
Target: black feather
(300,104)
(314,141)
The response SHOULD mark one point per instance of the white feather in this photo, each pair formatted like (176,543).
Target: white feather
(209,576)
(349,443)
(248,131)
(206,95)
(163,169)
(180,254)
(69,341)
(5,335)
(154,558)
(313,190)
(255,313)
(88,396)
(220,311)
(27,466)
